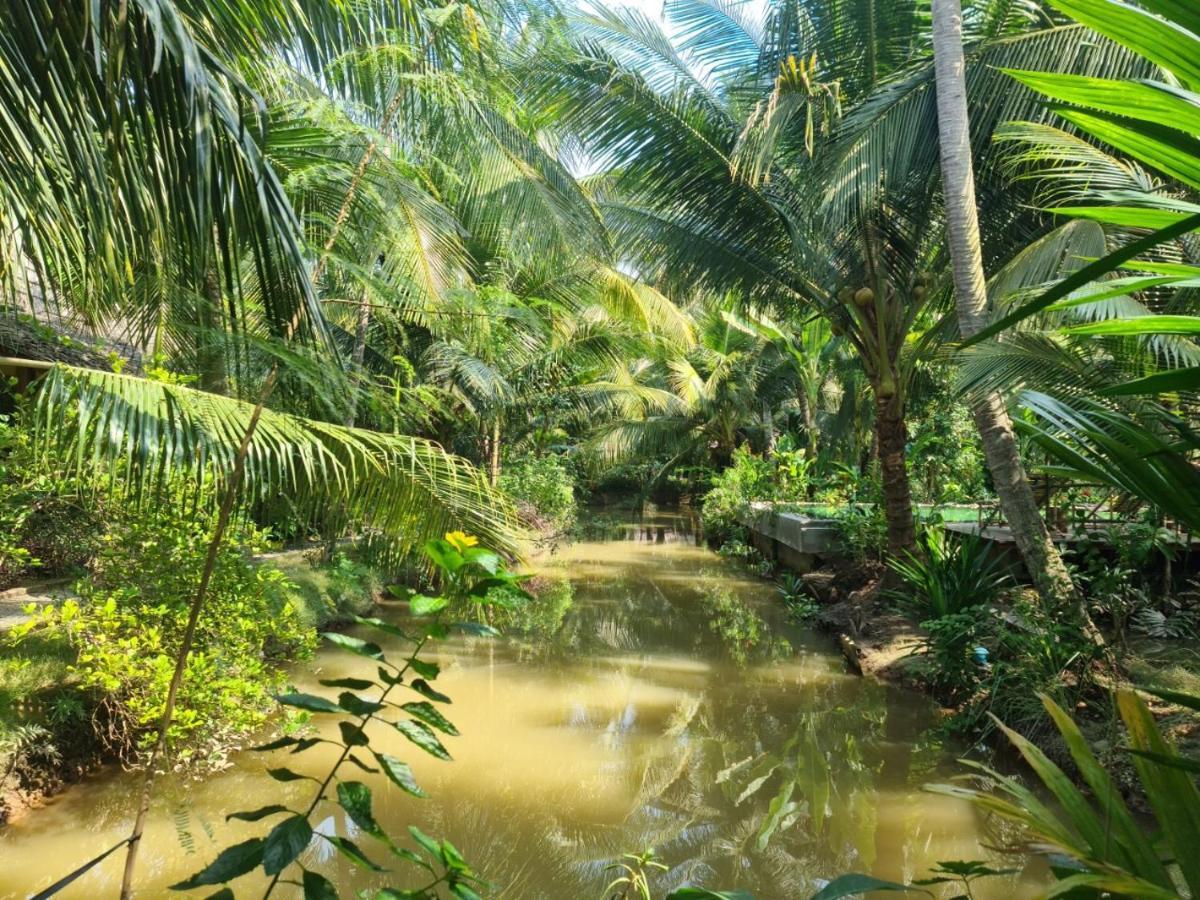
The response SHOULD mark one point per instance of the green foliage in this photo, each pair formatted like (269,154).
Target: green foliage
(1109,848)
(469,574)
(781,477)
(948,575)
(801,603)
(124,628)
(543,488)
(863,530)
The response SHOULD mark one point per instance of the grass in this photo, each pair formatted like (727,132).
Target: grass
(27,675)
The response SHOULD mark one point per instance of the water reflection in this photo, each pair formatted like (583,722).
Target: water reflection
(651,695)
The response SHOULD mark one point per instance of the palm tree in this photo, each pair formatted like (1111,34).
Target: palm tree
(1003,455)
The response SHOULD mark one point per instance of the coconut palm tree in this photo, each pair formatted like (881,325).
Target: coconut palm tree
(1000,447)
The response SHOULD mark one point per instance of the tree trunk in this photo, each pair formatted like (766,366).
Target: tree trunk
(891,436)
(494,462)
(359,353)
(970,288)
(768,420)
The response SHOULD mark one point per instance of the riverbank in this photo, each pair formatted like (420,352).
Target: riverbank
(50,736)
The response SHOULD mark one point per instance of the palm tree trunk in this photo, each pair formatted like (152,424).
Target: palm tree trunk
(891,436)
(494,462)
(970,288)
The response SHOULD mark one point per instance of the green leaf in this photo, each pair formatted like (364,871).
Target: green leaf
(318,887)
(488,560)
(355,799)
(1186,379)
(854,885)
(1140,325)
(353,644)
(310,702)
(428,844)
(380,625)
(351,758)
(288,775)
(353,735)
(229,864)
(1174,760)
(350,850)
(422,687)
(420,605)
(356,705)
(420,735)
(400,773)
(285,842)
(429,714)
(254,815)
(354,684)
(443,555)
(223,894)
(463,892)
(1085,276)
(425,668)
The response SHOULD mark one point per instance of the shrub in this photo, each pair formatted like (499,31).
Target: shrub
(544,489)
(948,576)
(126,625)
(749,478)
(863,530)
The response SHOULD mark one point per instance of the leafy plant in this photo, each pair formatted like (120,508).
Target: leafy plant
(125,625)
(949,576)
(467,573)
(544,490)
(1110,849)
(796,594)
(862,529)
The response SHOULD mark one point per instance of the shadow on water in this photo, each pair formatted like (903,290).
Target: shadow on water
(652,696)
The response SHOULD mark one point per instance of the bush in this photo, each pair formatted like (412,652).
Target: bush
(948,576)
(863,530)
(126,626)
(782,477)
(544,490)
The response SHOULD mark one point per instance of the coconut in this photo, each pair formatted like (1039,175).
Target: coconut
(864,297)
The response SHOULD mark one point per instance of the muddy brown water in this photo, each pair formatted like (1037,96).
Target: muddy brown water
(654,696)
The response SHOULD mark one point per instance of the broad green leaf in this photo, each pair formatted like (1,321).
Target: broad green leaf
(231,863)
(420,735)
(400,773)
(424,668)
(427,606)
(380,625)
(429,714)
(285,842)
(1140,325)
(1125,216)
(310,702)
(443,555)
(488,560)
(1187,379)
(855,885)
(353,644)
(354,684)
(428,844)
(350,850)
(288,775)
(253,815)
(1174,760)
(356,705)
(1159,41)
(353,735)
(421,686)
(1171,152)
(1171,792)
(1135,99)
(317,887)
(355,799)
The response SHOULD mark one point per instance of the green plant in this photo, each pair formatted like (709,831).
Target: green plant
(863,530)
(1109,848)
(467,573)
(124,627)
(949,575)
(634,881)
(801,603)
(544,490)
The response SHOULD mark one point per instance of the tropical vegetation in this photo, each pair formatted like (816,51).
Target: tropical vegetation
(328,325)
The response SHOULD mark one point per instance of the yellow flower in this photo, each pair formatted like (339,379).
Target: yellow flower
(461,541)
